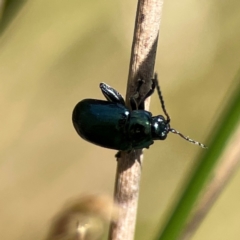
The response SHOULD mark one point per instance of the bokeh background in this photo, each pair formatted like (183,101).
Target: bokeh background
(55,53)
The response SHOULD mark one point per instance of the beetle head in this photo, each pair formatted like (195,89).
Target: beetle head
(160,128)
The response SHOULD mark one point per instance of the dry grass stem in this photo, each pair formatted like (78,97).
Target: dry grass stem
(142,63)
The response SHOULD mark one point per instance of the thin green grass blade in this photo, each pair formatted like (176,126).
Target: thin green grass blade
(226,125)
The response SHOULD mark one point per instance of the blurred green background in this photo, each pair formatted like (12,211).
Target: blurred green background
(55,53)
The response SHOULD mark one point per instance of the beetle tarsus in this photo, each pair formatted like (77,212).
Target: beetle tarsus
(111,94)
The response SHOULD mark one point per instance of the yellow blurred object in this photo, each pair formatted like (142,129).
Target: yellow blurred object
(83,219)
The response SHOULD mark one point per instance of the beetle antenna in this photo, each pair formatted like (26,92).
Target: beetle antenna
(187,138)
(161,98)
(168,117)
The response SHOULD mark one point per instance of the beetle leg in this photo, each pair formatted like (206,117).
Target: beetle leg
(118,155)
(133,103)
(111,94)
(133,99)
(151,91)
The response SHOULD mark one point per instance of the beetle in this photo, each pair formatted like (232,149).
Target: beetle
(110,124)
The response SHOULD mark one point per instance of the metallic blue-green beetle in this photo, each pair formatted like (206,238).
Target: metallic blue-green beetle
(111,124)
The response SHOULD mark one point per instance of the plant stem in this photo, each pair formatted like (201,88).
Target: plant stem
(142,63)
